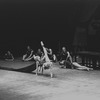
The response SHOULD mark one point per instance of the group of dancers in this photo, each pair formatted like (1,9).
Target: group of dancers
(44,59)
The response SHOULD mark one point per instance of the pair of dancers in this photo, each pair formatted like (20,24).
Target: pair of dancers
(66,60)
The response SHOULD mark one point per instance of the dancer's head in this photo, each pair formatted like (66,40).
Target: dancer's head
(64,49)
(28,47)
(39,50)
(50,50)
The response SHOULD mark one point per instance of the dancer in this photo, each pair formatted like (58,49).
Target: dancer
(80,67)
(47,63)
(39,53)
(51,55)
(29,54)
(9,56)
(43,62)
(76,65)
(65,58)
(39,62)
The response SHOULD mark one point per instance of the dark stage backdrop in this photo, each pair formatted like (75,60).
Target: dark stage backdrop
(27,22)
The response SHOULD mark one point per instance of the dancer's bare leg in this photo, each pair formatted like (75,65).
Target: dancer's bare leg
(37,65)
(80,67)
(42,69)
(45,52)
(49,64)
(54,58)
(51,74)
(28,58)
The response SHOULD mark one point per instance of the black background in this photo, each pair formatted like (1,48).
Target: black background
(27,22)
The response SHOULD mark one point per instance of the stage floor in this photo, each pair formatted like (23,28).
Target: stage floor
(67,84)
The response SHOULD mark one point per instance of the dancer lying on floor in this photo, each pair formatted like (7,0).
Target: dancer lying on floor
(29,54)
(80,67)
(76,65)
(43,62)
(9,56)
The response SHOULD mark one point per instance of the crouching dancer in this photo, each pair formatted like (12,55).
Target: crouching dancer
(9,56)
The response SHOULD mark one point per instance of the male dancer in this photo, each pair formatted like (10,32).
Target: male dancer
(29,54)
